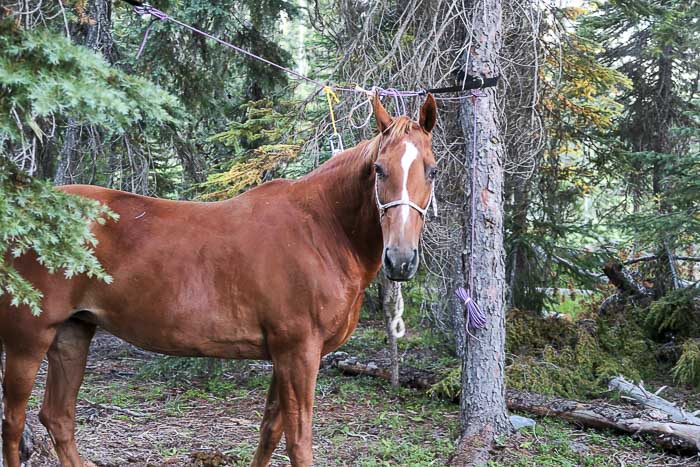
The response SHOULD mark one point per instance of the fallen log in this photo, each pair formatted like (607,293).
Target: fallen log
(638,394)
(408,377)
(656,424)
(677,437)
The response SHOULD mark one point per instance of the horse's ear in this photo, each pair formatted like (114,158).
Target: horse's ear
(428,114)
(384,120)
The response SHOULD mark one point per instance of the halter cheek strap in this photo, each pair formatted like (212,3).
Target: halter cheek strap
(399,202)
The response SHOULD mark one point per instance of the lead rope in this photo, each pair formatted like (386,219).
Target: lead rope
(473,316)
(398,327)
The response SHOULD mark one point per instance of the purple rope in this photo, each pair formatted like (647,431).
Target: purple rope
(475,318)
(145,38)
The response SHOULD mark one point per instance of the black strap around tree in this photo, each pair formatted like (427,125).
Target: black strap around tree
(469,82)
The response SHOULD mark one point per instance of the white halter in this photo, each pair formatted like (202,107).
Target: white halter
(422,211)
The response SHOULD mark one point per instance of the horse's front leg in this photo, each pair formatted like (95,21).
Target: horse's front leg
(296,368)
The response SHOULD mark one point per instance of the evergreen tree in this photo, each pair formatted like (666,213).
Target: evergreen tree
(654,43)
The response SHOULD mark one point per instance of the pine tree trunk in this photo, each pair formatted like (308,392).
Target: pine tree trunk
(483,413)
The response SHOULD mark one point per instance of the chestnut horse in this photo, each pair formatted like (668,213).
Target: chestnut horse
(277,273)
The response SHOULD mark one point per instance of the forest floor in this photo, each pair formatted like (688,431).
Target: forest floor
(137,409)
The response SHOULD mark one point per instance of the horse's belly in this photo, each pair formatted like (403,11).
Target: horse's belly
(194,337)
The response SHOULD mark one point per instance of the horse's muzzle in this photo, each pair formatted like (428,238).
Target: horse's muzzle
(400,264)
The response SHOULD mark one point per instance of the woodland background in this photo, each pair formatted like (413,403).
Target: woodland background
(597,106)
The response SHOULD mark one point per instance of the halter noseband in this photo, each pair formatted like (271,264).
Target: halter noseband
(399,202)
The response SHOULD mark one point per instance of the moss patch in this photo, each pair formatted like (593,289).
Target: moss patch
(571,359)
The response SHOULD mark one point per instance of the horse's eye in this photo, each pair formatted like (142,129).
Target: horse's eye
(432,173)
(379,170)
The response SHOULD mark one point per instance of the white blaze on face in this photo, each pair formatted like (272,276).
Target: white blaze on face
(409,156)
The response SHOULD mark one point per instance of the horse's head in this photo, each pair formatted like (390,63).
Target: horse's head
(405,170)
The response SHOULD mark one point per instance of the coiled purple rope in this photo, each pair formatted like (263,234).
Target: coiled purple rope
(474,317)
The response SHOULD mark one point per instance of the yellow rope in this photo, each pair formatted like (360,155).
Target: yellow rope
(331,96)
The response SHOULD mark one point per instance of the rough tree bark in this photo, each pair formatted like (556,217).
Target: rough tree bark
(483,413)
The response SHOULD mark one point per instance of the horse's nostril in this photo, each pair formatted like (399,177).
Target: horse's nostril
(387,259)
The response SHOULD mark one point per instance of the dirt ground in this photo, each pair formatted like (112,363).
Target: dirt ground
(130,415)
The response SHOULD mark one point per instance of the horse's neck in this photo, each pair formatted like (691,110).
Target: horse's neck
(345,189)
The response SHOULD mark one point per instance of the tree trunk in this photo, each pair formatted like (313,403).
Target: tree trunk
(392,301)
(623,280)
(483,413)
(66,161)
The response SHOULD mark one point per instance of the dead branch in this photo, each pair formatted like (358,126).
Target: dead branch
(645,258)
(409,377)
(624,281)
(665,434)
(115,408)
(647,399)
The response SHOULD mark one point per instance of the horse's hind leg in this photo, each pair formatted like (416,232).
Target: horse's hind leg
(23,357)
(271,428)
(67,357)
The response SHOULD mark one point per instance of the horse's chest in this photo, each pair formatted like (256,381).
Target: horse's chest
(345,324)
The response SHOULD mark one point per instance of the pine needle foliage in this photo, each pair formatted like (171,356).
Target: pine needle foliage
(677,313)
(257,156)
(247,173)
(45,78)
(44,75)
(559,357)
(687,369)
(53,224)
